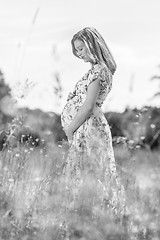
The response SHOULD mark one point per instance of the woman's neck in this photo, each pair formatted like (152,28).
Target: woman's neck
(93,65)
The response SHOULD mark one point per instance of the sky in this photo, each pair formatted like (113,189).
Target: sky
(35,45)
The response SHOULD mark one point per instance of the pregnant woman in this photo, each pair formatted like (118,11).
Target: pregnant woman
(90,157)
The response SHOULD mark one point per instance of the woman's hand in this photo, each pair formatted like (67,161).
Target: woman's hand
(69,133)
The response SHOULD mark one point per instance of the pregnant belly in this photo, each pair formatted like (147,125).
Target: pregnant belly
(69,111)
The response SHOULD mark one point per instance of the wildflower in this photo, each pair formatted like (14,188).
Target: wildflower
(138,146)
(142,137)
(130,142)
(17,155)
(11,180)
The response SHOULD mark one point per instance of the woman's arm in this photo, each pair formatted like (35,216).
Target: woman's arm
(86,109)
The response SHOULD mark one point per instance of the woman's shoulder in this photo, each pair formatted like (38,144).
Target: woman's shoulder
(100,68)
(102,72)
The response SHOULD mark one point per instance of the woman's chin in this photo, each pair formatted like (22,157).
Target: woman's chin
(85,60)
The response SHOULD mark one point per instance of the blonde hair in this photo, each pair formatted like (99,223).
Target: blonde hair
(96,46)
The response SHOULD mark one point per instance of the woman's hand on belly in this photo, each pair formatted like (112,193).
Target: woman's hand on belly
(69,134)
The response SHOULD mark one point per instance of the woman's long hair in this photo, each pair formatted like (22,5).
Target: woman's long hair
(97,47)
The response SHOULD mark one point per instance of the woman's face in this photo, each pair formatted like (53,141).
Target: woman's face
(82,50)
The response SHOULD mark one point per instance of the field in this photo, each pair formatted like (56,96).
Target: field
(33,205)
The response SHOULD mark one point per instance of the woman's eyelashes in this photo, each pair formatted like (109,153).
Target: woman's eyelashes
(79,49)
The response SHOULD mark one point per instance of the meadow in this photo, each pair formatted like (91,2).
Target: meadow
(33,205)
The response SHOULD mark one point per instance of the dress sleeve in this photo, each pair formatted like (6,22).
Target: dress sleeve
(100,74)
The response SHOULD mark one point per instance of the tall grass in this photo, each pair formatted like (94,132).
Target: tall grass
(34,204)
